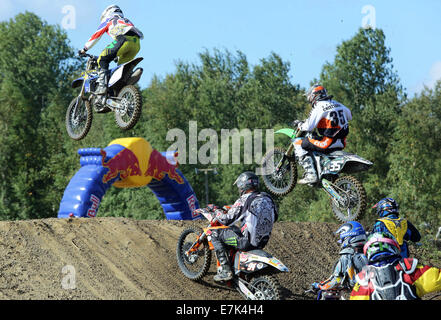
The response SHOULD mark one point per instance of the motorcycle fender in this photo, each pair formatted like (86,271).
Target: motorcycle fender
(287,131)
(354,157)
(135,76)
(250,263)
(276,263)
(77,82)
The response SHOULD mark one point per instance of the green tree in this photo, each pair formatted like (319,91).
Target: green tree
(35,62)
(415,174)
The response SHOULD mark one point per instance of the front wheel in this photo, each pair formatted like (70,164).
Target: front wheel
(279,172)
(78,118)
(354,199)
(266,287)
(131,102)
(194,264)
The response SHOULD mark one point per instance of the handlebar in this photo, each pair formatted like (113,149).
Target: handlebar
(86,55)
(208,214)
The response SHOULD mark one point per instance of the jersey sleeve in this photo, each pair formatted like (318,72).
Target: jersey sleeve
(312,121)
(232,214)
(97,35)
(426,280)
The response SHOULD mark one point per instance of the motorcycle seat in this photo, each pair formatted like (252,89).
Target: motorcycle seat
(259,252)
(338,153)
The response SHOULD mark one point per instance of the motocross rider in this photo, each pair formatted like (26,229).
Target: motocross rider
(125,45)
(256,213)
(388,276)
(351,261)
(331,120)
(400,228)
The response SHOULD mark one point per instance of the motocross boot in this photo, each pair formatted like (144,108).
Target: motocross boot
(103,79)
(310,175)
(224,272)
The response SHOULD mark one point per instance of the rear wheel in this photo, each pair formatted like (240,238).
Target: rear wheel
(354,198)
(194,264)
(266,287)
(78,118)
(131,101)
(279,180)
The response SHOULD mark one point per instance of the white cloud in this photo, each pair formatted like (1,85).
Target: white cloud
(435,74)
(429,82)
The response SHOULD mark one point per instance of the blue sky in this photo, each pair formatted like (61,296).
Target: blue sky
(303,32)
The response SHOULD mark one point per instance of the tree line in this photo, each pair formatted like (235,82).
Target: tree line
(401,135)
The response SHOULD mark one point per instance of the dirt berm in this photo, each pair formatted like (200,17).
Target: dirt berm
(119,258)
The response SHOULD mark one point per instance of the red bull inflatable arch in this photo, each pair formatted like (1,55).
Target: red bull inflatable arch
(126,163)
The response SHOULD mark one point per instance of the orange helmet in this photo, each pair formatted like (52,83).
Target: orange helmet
(317,92)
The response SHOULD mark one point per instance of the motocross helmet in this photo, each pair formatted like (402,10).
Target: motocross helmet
(352,234)
(317,92)
(386,206)
(381,246)
(110,11)
(245,181)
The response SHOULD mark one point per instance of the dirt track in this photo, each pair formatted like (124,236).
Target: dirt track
(118,258)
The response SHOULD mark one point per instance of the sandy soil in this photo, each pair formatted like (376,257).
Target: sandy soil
(119,258)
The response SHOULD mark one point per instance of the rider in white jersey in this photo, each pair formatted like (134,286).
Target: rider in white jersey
(331,118)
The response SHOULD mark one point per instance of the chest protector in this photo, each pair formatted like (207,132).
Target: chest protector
(387,281)
(397,227)
(262,224)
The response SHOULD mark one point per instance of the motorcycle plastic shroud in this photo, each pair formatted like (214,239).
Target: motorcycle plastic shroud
(86,78)
(340,161)
(121,73)
(255,260)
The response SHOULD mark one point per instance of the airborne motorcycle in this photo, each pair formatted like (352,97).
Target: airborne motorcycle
(348,196)
(253,270)
(122,97)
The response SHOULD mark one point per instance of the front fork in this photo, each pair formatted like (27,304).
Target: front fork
(286,155)
(195,246)
(80,96)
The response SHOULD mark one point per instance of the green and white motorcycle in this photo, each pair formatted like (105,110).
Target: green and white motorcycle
(347,194)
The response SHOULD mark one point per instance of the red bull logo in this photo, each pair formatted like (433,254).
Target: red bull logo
(159,166)
(94,208)
(125,163)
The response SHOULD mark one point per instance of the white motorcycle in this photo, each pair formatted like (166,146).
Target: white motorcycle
(347,194)
(123,98)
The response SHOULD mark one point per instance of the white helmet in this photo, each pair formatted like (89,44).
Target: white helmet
(110,11)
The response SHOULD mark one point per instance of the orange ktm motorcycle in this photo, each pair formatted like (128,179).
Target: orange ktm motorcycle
(254,271)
